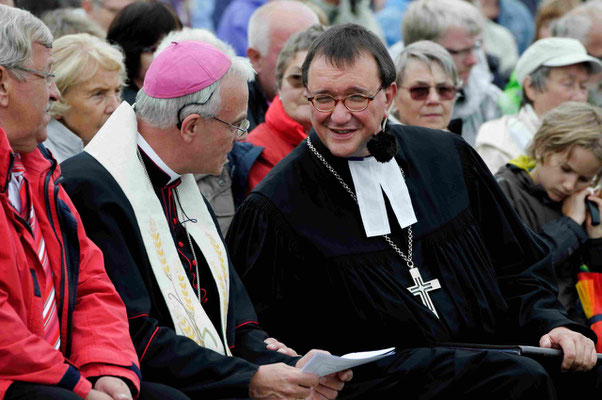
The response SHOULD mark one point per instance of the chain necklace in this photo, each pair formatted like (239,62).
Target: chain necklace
(179,211)
(420,288)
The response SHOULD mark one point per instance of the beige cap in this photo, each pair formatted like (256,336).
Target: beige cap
(554,52)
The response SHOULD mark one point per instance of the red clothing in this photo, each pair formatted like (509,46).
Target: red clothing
(94,329)
(279,135)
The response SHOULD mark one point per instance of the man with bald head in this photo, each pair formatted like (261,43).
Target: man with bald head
(270,27)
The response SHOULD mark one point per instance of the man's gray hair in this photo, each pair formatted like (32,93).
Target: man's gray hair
(163,113)
(578,23)
(428,52)
(19,29)
(429,19)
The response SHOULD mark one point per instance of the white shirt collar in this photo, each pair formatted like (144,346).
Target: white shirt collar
(156,159)
(371,178)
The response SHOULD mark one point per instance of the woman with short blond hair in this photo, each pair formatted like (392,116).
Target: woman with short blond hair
(90,74)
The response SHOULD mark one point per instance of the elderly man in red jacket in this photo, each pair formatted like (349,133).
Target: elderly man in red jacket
(64,331)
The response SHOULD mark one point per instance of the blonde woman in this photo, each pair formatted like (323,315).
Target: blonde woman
(90,74)
(548,188)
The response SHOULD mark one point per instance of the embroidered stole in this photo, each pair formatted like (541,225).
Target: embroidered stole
(114,146)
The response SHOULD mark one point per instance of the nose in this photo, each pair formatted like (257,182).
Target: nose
(579,94)
(471,58)
(53,92)
(433,97)
(113,104)
(569,184)
(340,114)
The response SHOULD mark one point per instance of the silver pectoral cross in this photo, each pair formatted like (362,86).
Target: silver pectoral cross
(422,289)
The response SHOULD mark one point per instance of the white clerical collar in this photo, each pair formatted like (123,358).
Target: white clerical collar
(370,179)
(148,150)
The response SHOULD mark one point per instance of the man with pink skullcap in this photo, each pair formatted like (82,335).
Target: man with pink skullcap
(190,317)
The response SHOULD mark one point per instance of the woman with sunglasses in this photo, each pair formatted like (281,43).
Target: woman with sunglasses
(427,82)
(287,119)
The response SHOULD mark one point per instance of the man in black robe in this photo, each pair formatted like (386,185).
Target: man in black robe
(190,317)
(329,260)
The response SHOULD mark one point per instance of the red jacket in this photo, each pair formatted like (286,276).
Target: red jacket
(279,135)
(95,339)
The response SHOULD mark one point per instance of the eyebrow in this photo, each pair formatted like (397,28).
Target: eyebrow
(348,91)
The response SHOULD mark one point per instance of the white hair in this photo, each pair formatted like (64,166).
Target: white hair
(258,31)
(274,14)
(163,113)
(429,19)
(19,29)
(196,35)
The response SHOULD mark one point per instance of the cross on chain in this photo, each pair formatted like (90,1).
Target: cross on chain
(421,289)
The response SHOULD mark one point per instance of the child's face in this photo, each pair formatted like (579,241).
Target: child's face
(563,174)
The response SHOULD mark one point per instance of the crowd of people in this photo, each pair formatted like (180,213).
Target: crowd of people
(200,196)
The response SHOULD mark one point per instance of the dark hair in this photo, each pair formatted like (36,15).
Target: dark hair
(38,7)
(139,26)
(341,45)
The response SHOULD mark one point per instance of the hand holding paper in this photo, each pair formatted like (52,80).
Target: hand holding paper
(323,364)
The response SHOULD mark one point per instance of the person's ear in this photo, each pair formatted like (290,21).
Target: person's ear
(528,88)
(190,128)
(254,56)
(390,93)
(5,86)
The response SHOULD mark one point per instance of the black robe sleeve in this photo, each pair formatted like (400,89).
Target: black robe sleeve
(164,356)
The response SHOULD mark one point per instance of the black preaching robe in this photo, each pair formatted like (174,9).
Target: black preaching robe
(166,357)
(317,281)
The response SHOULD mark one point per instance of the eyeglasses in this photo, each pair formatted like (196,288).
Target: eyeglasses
(47,76)
(464,52)
(421,92)
(242,128)
(353,102)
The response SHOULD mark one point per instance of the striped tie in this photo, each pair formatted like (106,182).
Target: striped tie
(49,313)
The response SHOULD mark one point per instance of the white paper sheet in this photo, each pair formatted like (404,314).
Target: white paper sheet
(324,364)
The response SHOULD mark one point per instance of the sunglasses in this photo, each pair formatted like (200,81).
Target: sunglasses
(421,92)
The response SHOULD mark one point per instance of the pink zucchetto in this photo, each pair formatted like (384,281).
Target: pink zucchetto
(184,68)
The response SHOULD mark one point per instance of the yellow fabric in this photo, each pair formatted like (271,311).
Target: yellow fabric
(524,162)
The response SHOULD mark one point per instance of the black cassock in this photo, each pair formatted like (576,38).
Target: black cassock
(317,282)
(166,357)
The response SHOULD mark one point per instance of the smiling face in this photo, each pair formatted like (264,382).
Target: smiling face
(563,174)
(292,92)
(346,133)
(91,103)
(433,111)
(28,103)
